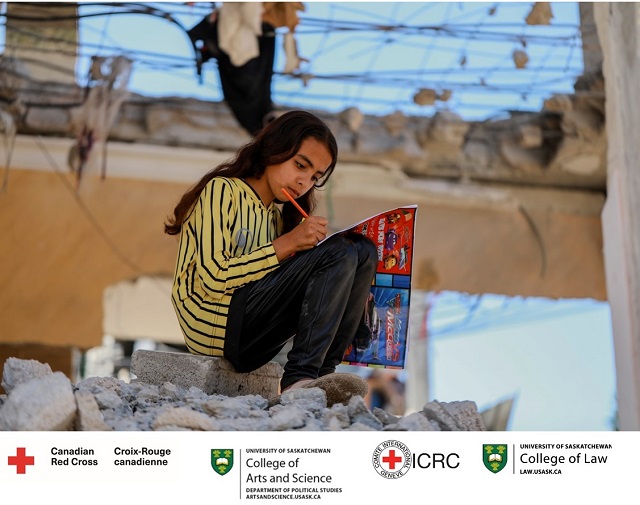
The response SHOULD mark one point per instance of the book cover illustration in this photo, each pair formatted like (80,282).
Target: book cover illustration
(387,309)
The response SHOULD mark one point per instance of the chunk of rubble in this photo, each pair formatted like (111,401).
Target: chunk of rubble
(42,400)
(42,404)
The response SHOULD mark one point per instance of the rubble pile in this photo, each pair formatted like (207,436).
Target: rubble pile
(38,399)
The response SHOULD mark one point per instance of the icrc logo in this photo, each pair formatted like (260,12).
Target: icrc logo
(392,459)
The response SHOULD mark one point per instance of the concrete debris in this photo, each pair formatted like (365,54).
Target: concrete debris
(449,128)
(530,136)
(520,58)
(425,96)
(583,165)
(428,96)
(445,95)
(89,417)
(17,371)
(352,118)
(541,14)
(395,124)
(403,141)
(183,418)
(465,413)
(524,159)
(46,401)
(42,404)
(558,103)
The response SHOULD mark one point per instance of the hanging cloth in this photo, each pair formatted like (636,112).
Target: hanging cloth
(239,26)
(247,87)
(204,38)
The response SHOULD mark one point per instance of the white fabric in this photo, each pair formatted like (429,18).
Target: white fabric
(239,25)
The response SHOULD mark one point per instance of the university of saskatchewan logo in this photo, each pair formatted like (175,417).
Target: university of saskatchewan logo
(494,457)
(222,460)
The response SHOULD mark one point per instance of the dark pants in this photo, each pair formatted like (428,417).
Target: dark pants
(247,89)
(317,296)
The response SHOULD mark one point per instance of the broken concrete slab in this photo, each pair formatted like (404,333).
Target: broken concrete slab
(17,371)
(207,373)
(42,404)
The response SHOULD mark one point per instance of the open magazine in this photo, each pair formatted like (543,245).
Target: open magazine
(387,309)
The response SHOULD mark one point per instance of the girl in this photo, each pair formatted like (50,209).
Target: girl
(249,275)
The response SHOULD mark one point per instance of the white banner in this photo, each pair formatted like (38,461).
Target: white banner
(327,467)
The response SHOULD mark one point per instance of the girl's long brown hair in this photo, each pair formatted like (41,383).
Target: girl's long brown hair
(276,143)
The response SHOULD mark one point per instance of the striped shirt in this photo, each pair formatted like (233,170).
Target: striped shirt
(225,243)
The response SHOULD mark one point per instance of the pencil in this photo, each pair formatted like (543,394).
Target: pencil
(306,216)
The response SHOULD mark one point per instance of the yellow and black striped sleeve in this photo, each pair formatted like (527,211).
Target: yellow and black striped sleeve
(224,214)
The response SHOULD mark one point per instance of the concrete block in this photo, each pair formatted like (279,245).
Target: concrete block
(210,374)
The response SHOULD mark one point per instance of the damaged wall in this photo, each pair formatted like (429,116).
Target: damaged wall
(58,262)
(509,206)
(619,31)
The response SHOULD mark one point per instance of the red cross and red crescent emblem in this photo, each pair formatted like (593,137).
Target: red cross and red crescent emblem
(392,459)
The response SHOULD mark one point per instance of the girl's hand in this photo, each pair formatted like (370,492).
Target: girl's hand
(304,236)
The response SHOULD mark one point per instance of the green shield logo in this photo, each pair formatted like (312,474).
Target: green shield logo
(494,457)
(222,460)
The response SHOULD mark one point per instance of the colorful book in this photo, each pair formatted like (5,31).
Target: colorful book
(387,308)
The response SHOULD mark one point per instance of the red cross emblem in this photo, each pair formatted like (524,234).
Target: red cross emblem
(391,459)
(21,460)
